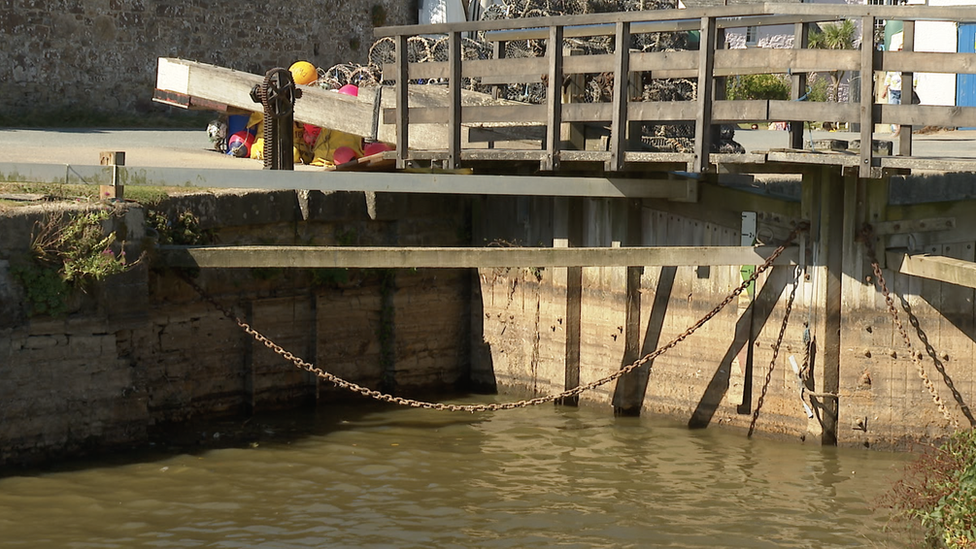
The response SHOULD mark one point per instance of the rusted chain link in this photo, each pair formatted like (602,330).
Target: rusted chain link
(867,236)
(392,399)
(772,361)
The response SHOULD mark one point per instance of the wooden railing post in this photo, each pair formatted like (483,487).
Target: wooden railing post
(454,103)
(866,113)
(498,52)
(907,89)
(798,85)
(554,99)
(402,105)
(621,74)
(703,118)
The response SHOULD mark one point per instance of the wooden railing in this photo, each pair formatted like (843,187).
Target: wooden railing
(708,66)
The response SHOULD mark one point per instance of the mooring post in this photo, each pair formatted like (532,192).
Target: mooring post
(115,191)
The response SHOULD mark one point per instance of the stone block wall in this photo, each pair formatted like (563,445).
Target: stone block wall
(144,351)
(101,54)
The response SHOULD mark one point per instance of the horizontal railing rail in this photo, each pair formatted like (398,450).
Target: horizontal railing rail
(558,73)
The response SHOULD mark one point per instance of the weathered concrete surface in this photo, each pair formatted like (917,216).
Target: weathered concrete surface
(718,376)
(144,350)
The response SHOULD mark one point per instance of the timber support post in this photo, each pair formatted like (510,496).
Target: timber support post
(628,398)
(572,217)
(823,204)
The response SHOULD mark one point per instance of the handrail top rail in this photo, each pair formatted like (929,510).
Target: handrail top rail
(726,16)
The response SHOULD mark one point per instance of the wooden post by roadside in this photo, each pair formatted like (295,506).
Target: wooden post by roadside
(115,191)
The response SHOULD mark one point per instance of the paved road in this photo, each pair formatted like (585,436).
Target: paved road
(143,148)
(191,148)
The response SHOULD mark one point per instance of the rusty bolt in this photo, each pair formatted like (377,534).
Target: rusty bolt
(867,353)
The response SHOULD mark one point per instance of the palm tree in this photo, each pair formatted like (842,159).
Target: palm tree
(834,36)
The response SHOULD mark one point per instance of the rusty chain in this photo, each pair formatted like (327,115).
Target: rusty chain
(776,348)
(392,399)
(867,236)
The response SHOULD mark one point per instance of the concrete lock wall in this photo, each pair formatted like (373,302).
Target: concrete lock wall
(718,376)
(144,350)
(101,54)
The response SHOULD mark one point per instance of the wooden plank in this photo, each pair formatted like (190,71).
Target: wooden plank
(512,155)
(929,164)
(926,61)
(783,61)
(310,257)
(813,111)
(946,269)
(651,111)
(596,63)
(685,61)
(587,112)
(231,88)
(474,115)
(587,24)
(729,16)
(957,324)
(641,27)
(926,115)
(814,158)
(488,134)
(584,156)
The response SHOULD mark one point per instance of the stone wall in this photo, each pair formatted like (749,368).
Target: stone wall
(101,54)
(143,350)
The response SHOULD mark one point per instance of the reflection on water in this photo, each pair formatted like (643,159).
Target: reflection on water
(371,477)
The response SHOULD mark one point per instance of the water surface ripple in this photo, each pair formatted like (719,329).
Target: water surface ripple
(384,477)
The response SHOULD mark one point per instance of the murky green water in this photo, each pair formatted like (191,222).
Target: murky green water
(403,478)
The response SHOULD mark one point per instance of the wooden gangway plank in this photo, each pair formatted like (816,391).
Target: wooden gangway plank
(934,267)
(318,257)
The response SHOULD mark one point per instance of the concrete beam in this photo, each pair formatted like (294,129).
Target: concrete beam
(316,257)
(680,190)
(934,267)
